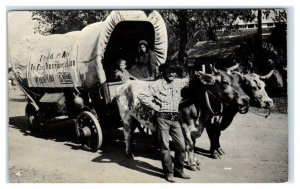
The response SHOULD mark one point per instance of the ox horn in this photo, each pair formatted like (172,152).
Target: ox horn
(214,69)
(233,67)
(199,72)
(268,75)
(239,74)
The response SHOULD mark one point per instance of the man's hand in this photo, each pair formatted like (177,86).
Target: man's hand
(155,107)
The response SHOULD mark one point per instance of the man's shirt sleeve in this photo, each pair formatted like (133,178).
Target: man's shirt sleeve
(147,97)
(184,82)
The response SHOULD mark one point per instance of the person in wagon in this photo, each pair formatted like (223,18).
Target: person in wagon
(121,73)
(145,65)
(164,96)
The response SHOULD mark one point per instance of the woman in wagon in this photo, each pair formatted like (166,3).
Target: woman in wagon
(164,96)
(121,73)
(145,65)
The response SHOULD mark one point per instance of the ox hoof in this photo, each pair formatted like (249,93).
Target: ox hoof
(215,155)
(130,155)
(193,167)
(197,163)
(221,151)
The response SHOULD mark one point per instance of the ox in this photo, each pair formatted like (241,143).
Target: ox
(254,87)
(221,85)
(217,115)
(211,107)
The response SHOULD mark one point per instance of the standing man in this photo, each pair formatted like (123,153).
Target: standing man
(164,96)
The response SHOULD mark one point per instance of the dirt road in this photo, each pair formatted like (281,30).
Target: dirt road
(256,152)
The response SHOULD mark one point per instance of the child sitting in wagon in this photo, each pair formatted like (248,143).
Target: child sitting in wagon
(121,73)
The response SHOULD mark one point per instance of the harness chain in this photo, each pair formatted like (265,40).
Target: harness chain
(266,116)
(216,118)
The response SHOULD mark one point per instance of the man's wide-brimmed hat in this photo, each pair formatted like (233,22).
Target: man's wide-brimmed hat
(169,65)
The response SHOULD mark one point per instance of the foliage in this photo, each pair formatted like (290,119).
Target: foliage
(63,21)
(278,38)
(185,27)
(202,24)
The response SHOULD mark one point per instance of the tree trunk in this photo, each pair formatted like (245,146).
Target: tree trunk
(183,27)
(259,27)
(260,57)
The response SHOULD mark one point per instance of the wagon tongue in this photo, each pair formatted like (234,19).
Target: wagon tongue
(85,132)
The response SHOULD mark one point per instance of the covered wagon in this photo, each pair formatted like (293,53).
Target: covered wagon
(71,74)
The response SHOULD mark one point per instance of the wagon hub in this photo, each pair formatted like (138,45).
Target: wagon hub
(85,131)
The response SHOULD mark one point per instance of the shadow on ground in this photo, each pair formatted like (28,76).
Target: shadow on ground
(64,131)
(113,150)
(113,147)
(58,130)
(202,152)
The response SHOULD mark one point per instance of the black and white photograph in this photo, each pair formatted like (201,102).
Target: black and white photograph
(186,95)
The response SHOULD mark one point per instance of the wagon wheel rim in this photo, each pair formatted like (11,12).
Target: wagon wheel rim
(89,131)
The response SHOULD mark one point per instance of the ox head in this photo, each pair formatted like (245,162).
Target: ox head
(226,89)
(254,86)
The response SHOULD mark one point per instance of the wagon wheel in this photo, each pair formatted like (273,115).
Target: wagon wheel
(33,117)
(89,131)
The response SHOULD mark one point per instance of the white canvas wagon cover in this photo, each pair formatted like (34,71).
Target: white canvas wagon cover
(75,58)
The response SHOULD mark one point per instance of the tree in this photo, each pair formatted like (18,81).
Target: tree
(182,16)
(187,27)
(63,21)
(259,27)
(277,38)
